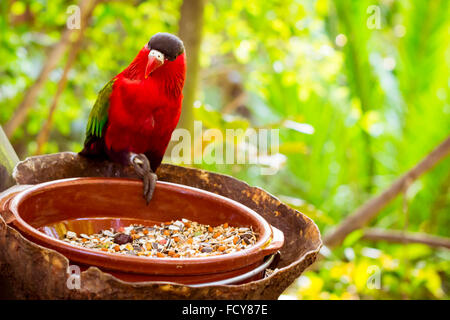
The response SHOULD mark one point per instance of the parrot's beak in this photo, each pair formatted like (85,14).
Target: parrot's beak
(152,64)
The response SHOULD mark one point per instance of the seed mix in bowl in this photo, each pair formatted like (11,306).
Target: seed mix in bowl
(175,239)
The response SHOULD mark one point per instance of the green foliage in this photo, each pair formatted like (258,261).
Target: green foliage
(377,101)
(362,272)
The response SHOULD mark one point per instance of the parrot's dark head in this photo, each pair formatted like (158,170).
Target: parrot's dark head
(163,48)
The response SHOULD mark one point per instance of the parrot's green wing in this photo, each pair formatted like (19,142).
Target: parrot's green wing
(99,113)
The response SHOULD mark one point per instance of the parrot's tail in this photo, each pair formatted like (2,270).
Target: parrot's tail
(93,147)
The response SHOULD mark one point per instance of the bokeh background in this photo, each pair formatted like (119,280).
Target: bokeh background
(358,89)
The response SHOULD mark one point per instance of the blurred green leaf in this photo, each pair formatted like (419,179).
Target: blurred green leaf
(352,238)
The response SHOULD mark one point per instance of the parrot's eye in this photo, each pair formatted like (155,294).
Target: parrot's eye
(158,55)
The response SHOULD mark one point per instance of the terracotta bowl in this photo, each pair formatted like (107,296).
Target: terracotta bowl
(44,212)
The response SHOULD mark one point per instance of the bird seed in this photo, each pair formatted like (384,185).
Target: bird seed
(175,239)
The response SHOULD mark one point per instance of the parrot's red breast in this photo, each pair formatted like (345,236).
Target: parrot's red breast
(144,111)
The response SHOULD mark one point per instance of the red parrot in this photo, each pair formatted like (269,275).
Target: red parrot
(136,112)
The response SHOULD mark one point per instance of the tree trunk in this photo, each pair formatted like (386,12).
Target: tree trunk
(190,31)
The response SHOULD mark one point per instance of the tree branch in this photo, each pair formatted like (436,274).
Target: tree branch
(53,57)
(73,52)
(236,102)
(375,234)
(371,208)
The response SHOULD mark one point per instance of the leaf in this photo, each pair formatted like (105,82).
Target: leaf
(352,238)
(293,147)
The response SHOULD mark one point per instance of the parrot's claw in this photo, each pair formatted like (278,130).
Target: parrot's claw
(143,169)
(149,186)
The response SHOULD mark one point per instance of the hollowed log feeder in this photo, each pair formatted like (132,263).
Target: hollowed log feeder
(30,271)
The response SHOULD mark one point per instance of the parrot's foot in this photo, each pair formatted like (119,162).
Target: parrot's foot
(144,170)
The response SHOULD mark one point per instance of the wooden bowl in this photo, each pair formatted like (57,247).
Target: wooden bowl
(43,212)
